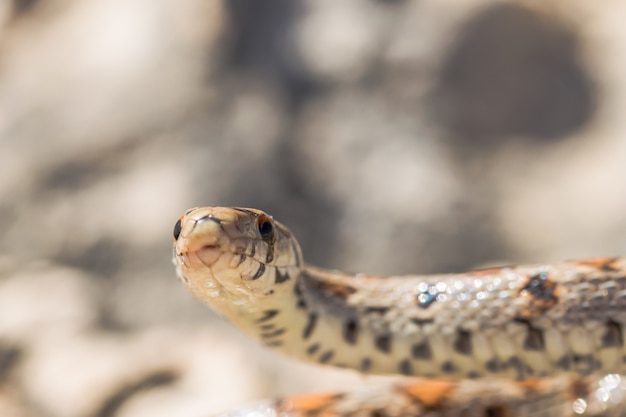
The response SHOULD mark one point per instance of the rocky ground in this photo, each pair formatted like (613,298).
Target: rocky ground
(391,136)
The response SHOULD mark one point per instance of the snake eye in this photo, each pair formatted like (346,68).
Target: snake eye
(177,228)
(266,228)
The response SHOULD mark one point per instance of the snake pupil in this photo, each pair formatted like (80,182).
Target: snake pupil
(266,229)
(177,228)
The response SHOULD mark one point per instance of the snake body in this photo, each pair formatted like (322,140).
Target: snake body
(513,323)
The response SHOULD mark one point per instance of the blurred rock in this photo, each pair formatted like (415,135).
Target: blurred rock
(43,298)
(516,73)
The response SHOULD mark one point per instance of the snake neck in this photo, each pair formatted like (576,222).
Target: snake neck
(519,323)
(303,315)
(319,319)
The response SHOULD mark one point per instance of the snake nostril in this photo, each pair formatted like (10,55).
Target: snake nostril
(177,228)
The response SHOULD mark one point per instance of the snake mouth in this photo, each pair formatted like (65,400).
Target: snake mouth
(209,255)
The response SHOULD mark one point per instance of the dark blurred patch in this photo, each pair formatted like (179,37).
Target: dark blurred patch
(263,44)
(108,318)
(513,72)
(88,168)
(103,258)
(112,405)
(260,40)
(21,7)
(9,357)
(72,175)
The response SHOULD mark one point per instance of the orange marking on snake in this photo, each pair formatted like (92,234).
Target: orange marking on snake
(313,404)
(432,394)
(604,264)
(335,290)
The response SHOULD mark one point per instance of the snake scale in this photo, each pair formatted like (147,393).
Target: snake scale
(540,340)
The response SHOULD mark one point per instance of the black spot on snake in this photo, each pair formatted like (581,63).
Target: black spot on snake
(421,321)
(241,260)
(463,342)
(366,364)
(275,333)
(351,331)
(301,304)
(493,365)
(280,277)
(259,272)
(405,367)
(421,351)
(534,337)
(252,251)
(613,337)
(310,325)
(585,364)
(376,310)
(448,367)
(177,229)
(564,362)
(383,343)
(327,356)
(519,366)
(267,315)
(534,340)
(313,348)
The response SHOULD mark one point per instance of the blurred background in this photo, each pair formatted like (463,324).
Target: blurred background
(391,136)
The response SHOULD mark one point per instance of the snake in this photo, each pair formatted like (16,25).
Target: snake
(529,340)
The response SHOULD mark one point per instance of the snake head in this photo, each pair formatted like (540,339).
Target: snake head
(234,256)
